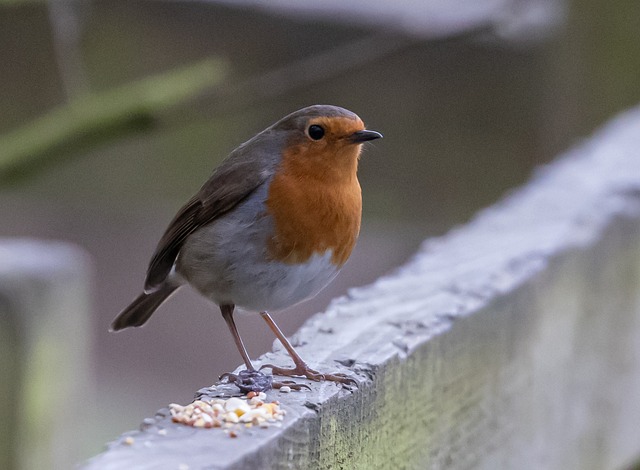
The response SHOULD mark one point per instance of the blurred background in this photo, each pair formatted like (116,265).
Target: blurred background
(113,113)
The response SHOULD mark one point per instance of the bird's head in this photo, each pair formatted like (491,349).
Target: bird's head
(324,139)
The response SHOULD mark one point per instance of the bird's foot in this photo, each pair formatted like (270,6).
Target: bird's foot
(255,381)
(303,370)
(250,381)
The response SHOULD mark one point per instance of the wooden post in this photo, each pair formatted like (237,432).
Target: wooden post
(511,342)
(44,353)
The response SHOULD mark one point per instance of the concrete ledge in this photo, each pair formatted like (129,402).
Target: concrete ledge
(512,342)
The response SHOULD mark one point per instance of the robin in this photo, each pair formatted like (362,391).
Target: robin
(271,227)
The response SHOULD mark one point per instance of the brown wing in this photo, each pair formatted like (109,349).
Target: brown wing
(232,182)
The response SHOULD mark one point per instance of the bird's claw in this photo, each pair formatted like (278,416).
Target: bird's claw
(305,371)
(255,381)
(250,381)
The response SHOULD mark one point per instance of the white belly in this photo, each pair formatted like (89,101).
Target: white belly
(227,262)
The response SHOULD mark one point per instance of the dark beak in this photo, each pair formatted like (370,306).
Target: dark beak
(364,136)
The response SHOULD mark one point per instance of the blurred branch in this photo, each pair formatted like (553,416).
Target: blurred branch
(309,71)
(95,118)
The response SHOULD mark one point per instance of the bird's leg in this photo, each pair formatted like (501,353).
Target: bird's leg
(249,380)
(227,314)
(301,368)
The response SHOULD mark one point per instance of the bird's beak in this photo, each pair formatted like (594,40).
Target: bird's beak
(364,136)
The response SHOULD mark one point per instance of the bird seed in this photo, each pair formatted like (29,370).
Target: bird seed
(218,412)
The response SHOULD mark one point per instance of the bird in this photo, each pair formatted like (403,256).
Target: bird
(271,227)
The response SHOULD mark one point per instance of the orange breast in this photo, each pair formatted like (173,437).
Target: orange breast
(316,207)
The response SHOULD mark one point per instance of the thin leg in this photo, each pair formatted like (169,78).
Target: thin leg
(301,367)
(250,380)
(297,360)
(227,314)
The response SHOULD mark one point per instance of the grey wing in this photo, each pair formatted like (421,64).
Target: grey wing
(229,185)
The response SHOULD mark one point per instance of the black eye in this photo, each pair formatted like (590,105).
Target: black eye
(316,132)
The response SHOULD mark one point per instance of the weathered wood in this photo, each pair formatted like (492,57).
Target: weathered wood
(44,334)
(512,342)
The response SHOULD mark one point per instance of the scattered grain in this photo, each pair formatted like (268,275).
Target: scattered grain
(217,412)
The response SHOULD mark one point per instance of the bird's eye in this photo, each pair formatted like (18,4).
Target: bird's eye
(316,132)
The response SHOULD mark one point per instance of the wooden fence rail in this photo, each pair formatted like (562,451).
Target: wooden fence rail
(511,342)
(44,353)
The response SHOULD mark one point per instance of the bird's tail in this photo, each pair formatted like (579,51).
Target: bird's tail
(139,311)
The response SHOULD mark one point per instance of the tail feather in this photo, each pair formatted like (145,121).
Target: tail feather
(139,311)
